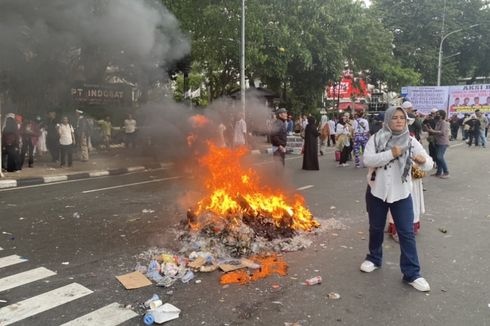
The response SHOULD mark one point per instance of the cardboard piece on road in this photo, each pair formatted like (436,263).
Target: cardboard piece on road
(134,280)
(197,263)
(229,267)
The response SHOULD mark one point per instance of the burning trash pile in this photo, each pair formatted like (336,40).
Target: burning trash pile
(237,216)
(240,212)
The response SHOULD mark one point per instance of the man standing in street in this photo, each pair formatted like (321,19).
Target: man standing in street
(129,131)
(279,136)
(483,124)
(415,128)
(240,131)
(82,132)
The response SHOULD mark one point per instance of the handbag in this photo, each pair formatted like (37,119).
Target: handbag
(337,156)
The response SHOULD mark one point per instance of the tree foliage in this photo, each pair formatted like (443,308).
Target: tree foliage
(294,47)
(418,28)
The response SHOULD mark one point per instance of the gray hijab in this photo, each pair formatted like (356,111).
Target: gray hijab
(385,139)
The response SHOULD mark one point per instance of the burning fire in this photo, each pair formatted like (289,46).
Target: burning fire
(235,193)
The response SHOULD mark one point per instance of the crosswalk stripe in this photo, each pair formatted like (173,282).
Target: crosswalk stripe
(109,315)
(19,279)
(35,305)
(11,260)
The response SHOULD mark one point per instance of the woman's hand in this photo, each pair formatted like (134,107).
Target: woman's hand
(396,151)
(419,159)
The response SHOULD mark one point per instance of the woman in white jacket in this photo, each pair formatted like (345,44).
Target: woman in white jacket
(389,155)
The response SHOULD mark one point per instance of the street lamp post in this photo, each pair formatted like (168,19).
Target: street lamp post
(439,65)
(242,60)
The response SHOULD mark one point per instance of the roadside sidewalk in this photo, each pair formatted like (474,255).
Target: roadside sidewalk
(117,161)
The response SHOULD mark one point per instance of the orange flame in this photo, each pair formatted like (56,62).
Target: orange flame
(234,191)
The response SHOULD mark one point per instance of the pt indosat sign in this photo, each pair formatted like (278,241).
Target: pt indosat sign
(102,94)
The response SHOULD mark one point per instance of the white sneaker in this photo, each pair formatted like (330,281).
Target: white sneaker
(420,284)
(368,266)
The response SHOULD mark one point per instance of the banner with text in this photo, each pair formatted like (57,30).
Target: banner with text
(426,98)
(468,98)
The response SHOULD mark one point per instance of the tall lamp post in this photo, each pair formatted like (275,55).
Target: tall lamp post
(439,65)
(242,59)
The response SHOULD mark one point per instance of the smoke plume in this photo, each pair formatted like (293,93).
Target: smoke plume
(46,45)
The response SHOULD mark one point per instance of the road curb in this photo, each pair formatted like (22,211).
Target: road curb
(31,181)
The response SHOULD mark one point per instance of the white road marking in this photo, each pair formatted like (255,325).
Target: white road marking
(130,184)
(109,315)
(11,260)
(19,279)
(305,187)
(40,303)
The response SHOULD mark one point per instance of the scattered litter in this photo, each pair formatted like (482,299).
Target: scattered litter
(76,215)
(333,207)
(161,314)
(189,275)
(21,218)
(292,324)
(276,286)
(269,265)
(277,302)
(65,263)
(198,281)
(147,211)
(334,296)
(3,301)
(6,233)
(69,206)
(134,280)
(155,297)
(313,280)
(443,230)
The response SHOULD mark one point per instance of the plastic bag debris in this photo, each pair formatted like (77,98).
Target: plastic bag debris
(333,296)
(161,314)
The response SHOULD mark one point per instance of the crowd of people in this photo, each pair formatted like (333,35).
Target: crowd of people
(26,138)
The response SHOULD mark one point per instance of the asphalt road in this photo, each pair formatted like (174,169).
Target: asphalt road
(89,231)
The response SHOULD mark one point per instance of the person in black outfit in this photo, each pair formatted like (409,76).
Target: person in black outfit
(430,123)
(52,137)
(10,145)
(279,136)
(310,157)
(474,132)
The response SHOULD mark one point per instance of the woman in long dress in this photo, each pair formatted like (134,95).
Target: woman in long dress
(310,157)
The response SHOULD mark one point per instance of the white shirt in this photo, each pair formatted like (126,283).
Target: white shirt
(361,126)
(65,132)
(343,129)
(129,126)
(331,126)
(240,131)
(387,185)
